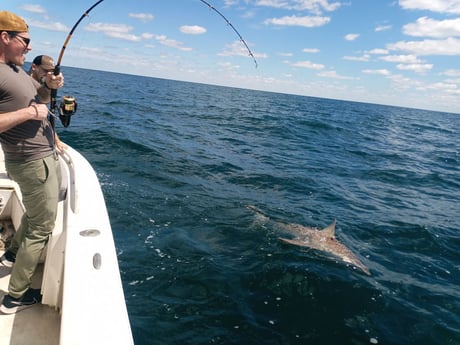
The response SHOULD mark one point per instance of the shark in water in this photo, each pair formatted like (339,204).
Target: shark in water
(319,239)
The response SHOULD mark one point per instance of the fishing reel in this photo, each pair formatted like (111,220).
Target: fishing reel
(67,108)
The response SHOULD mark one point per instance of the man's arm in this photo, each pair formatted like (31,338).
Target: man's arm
(11,119)
(44,94)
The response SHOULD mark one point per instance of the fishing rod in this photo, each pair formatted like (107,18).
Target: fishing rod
(234,29)
(69,106)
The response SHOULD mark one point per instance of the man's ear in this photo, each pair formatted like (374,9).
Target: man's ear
(5,37)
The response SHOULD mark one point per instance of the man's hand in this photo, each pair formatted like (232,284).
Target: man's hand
(54,81)
(59,144)
(38,111)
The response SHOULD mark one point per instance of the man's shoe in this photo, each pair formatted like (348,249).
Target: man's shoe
(11,305)
(8,259)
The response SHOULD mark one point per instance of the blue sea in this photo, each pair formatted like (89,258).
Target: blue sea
(180,162)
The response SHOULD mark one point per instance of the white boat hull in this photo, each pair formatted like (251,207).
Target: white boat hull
(83,301)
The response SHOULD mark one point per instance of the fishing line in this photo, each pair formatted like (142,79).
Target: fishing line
(68,107)
(234,29)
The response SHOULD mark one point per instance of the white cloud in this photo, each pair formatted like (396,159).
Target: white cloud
(417,67)
(228,66)
(119,31)
(310,50)
(449,46)
(273,3)
(403,83)
(383,28)
(334,75)
(454,92)
(451,73)
(144,17)
(408,63)
(307,64)
(162,39)
(401,58)
(351,37)
(378,51)
(316,6)
(306,21)
(147,36)
(192,29)
(52,26)
(427,27)
(439,6)
(313,6)
(383,72)
(34,9)
(238,49)
(443,86)
(47,25)
(363,58)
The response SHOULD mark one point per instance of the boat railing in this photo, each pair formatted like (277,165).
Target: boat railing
(90,292)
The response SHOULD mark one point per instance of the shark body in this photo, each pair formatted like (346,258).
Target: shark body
(323,240)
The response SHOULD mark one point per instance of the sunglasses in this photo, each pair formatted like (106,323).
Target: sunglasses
(23,39)
(46,70)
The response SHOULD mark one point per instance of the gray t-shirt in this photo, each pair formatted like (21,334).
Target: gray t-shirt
(31,139)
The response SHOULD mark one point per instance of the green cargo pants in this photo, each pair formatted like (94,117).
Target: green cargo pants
(39,181)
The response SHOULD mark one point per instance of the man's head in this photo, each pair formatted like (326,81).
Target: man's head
(14,38)
(41,65)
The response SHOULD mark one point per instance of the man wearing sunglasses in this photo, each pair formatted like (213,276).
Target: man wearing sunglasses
(27,140)
(41,66)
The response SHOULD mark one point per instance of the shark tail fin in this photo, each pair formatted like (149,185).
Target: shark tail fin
(330,230)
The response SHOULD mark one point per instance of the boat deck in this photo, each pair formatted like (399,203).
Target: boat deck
(40,323)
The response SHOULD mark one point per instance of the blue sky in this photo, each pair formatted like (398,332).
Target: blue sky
(395,52)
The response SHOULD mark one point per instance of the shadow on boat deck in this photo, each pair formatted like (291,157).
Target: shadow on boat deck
(38,325)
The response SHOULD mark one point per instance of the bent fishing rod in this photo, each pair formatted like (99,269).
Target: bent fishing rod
(234,29)
(69,106)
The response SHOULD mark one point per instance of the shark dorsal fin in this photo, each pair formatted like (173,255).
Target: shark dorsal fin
(330,230)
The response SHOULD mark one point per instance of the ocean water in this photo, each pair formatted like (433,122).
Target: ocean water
(180,162)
